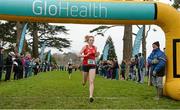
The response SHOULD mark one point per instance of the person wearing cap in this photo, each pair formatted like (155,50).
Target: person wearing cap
(157,62)
(1,62)
(9,63)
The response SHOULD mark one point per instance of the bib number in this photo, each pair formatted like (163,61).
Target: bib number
(90,61)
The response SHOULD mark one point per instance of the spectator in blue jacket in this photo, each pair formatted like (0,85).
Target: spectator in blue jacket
(141,67)
(27,65)
(157,62)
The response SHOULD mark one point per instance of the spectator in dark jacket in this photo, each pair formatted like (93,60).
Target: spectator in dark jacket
(123,69)
(9,63)
(21,66)
(36,66)
(141,67)
(157,62)
(116,69)
(1,62)
(137,68)
(17,67)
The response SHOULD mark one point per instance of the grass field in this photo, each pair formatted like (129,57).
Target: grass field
(54,90)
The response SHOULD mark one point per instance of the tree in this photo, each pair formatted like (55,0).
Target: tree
(43,32)
(111,52)
(10,33)
(145,34)
(176,4)
(7,34)
(127,42)
(101,30)
(35,52)
(73,56)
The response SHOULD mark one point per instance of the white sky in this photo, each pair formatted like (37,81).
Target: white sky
(77,33)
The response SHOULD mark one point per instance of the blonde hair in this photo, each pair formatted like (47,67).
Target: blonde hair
(87,37)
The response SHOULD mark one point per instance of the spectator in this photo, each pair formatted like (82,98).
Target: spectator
(27,65)
(116,69)
(141,67)
(132,69)
(1,62)
(157,62)
(22,66)
(17,65)
(123,69)
(137,68)
(9,63)
(36,66)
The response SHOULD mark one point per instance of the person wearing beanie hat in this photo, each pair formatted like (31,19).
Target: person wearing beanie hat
(157,62)
(157,44)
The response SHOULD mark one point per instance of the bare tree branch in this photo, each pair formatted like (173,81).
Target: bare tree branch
(102,29)
(134,34)
(147,32)
(138,26)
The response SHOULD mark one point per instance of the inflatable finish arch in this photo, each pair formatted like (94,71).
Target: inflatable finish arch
(106,12)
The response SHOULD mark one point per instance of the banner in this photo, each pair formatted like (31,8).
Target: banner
(21,42)
(42,52)
(105,52)
(49,56)
(79,9)
(137,42)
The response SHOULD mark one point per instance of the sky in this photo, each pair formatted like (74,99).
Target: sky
(78,31)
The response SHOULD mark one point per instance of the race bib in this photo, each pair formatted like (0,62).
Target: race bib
(90,61)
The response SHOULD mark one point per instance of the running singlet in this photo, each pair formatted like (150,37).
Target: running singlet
(90,59)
